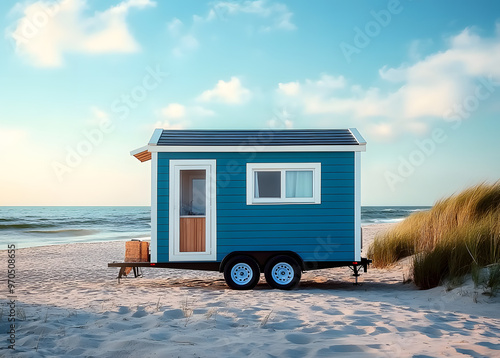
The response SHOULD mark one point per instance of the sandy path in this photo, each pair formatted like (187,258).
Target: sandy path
(75,307)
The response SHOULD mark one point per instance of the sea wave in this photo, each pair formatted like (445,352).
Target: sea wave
(25,226)
(396,220)
(65,232)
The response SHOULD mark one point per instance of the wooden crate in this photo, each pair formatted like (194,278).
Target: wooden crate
(144,251)
(136,251)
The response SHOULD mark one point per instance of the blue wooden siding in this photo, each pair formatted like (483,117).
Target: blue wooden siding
(317,232)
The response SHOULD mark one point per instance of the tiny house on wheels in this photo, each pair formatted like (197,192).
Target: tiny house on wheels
(244,202)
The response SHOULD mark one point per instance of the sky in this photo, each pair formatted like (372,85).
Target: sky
(85,82)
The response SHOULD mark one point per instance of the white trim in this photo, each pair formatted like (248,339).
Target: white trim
(357,207)
(175,167)
(156,136)
(139,150)
(154,207)
(257,149)
(358,136)
(283,167)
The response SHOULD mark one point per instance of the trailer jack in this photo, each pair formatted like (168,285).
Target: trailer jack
(355,267)
(137,272)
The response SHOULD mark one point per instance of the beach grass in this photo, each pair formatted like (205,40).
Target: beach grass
(457,235)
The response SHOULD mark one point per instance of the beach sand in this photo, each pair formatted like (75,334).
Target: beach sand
(74,306)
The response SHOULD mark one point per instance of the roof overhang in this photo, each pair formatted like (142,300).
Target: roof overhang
(144,153)
(358,136)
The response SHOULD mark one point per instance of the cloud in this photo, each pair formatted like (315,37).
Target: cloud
(275,16)
(433,88)
(278,15)
(174,110)
(325,83)
(417,48)
(231,92)
(175,26)
(12,138)
(200,111)
(178,111)
(184,38)
(98,117)
(168,124)
(48,31)
(281,119)
(290,88)
(179,116)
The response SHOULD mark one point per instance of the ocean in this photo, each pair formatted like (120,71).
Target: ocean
(29,226)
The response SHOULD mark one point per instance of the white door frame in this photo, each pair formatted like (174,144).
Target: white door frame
(175,167)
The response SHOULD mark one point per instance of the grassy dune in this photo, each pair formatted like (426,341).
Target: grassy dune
(459,235)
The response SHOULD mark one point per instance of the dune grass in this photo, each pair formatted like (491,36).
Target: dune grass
(456,236)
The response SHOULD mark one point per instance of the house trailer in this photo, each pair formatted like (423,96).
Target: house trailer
(246,202)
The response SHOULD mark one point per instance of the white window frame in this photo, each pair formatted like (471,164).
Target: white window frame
(283,167)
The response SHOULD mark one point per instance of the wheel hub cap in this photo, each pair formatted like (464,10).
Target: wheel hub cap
(283,273)
(241,274)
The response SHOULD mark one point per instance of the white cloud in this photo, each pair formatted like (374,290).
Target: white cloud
(179,116)
(98,116)
(175,26)
(427,90)
(186,43)
(325,83)
(47,31)
(276,16)
(174,110)
(417,47)
(290,88)
(11,138)
(328,82)
(279,16)
(178,111)
(168,124)
(184,38)
(200,111)
(231,92)
(381,130)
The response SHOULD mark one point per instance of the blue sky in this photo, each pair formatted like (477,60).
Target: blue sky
(85,82)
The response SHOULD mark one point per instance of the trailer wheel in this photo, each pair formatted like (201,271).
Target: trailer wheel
(283,272)
(242,273)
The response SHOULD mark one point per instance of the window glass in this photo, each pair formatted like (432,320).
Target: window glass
(299,184)
(193,196)
(267,184)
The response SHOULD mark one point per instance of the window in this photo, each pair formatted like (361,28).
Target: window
(192,193)
(279,183)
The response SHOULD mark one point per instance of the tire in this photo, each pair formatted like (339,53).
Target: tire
(283,272)
(242,273)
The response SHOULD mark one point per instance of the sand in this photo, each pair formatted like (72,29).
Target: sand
(74,306)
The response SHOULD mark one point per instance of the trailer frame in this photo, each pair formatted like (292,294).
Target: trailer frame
(218,266)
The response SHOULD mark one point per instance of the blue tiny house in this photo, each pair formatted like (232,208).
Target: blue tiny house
(249,201)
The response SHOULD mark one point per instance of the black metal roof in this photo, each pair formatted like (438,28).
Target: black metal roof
(292,137)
